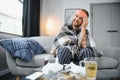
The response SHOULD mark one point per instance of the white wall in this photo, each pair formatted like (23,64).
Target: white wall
(55,9)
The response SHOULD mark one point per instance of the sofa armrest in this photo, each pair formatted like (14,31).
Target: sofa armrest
(3,63)
(99,54)
(113,52)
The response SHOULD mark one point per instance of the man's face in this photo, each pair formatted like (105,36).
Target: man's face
(78,18)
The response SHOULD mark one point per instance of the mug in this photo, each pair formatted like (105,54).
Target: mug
(90,67)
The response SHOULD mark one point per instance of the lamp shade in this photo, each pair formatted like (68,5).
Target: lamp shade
(50,27)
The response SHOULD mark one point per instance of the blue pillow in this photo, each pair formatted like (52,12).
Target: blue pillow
(23,48)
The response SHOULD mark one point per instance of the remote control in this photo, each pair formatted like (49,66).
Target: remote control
(34,75)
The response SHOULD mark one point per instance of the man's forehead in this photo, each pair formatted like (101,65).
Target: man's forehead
(81,13)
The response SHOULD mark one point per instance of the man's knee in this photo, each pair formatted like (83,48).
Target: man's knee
(63,50)
(64,55)
(85,52)
(88,52)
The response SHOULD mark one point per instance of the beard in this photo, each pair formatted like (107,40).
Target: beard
(76,24)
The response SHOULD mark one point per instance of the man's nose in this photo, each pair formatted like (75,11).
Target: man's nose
(76,18)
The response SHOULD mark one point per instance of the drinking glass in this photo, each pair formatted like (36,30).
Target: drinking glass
(90,67)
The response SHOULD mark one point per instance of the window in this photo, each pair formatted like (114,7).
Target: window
(11,16)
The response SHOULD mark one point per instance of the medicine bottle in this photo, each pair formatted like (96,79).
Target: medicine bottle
(46,60)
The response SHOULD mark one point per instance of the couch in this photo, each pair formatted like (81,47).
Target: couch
(3,63)
(108,64)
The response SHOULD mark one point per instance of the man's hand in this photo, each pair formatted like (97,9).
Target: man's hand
(83,28)
(85,22)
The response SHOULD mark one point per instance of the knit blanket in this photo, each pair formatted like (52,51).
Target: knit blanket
(66,37)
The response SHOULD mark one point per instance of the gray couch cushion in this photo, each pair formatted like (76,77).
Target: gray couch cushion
(37,61)
(46,42)
(107,63)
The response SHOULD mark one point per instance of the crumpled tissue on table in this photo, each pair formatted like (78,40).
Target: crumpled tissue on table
(77,69)
(56,67)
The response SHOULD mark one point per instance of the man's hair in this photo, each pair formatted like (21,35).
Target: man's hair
(85,12)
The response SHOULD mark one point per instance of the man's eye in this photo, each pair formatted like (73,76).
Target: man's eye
(81,18)
(76,15)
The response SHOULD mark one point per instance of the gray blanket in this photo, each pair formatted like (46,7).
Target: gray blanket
(67,37)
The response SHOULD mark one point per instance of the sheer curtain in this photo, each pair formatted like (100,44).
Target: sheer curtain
(31,18)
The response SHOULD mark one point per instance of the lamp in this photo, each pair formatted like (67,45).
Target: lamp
(50,27)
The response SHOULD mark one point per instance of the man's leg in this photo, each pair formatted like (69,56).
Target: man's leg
(64,55)
(85,52)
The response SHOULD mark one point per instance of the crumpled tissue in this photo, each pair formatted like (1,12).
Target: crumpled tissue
(54,67)
(77,69)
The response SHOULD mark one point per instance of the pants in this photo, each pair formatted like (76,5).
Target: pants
(65,55)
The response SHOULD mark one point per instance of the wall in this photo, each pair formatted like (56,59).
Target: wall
(55,10)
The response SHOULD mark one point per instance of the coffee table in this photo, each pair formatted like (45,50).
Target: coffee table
(58,72)
(55,76)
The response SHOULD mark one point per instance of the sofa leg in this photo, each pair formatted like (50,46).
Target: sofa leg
(18,78)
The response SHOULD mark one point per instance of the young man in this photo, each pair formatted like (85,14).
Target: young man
(72,43)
